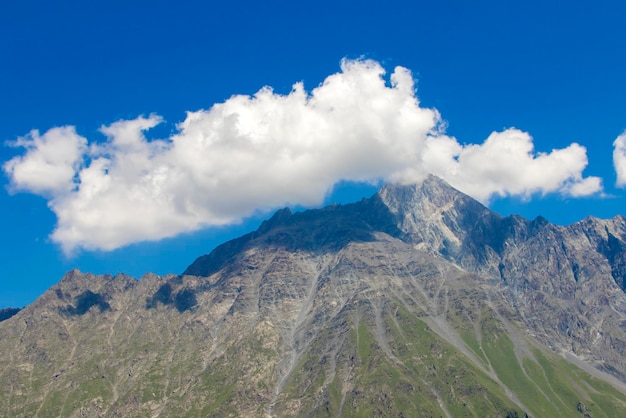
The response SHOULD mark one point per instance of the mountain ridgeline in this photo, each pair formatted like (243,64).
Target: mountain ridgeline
(418,301)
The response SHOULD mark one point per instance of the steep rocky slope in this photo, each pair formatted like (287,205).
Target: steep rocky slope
(416,302)
(567,283)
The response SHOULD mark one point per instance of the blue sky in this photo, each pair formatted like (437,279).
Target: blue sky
(542,74)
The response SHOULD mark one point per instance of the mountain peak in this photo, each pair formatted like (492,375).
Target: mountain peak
(434,215)
(431,214)
(431,189)
(428,201)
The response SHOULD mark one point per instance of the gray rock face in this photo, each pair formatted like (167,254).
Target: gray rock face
(418,301)
(567,283)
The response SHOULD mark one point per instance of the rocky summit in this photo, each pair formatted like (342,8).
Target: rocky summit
(416,302)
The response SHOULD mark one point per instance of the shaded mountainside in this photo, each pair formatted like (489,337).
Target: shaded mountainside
(323,230)
(416,302)
(6,313)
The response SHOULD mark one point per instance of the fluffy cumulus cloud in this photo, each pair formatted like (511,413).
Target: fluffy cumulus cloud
(50,163)
(619,159)
(506,164)
(269,150)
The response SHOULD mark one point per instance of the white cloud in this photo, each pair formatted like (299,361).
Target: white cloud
(619,159)
(271,150)
(506,164)
(50,163)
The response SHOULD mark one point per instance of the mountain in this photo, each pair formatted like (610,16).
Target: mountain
(6,313)
(418,301)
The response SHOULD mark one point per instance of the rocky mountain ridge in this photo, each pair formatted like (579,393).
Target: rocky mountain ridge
(566,280)
(418,301)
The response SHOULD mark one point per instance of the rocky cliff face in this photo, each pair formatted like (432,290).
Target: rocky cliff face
(567,283)
(416,302)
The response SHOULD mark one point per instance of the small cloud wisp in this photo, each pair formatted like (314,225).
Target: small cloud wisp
(619,160)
